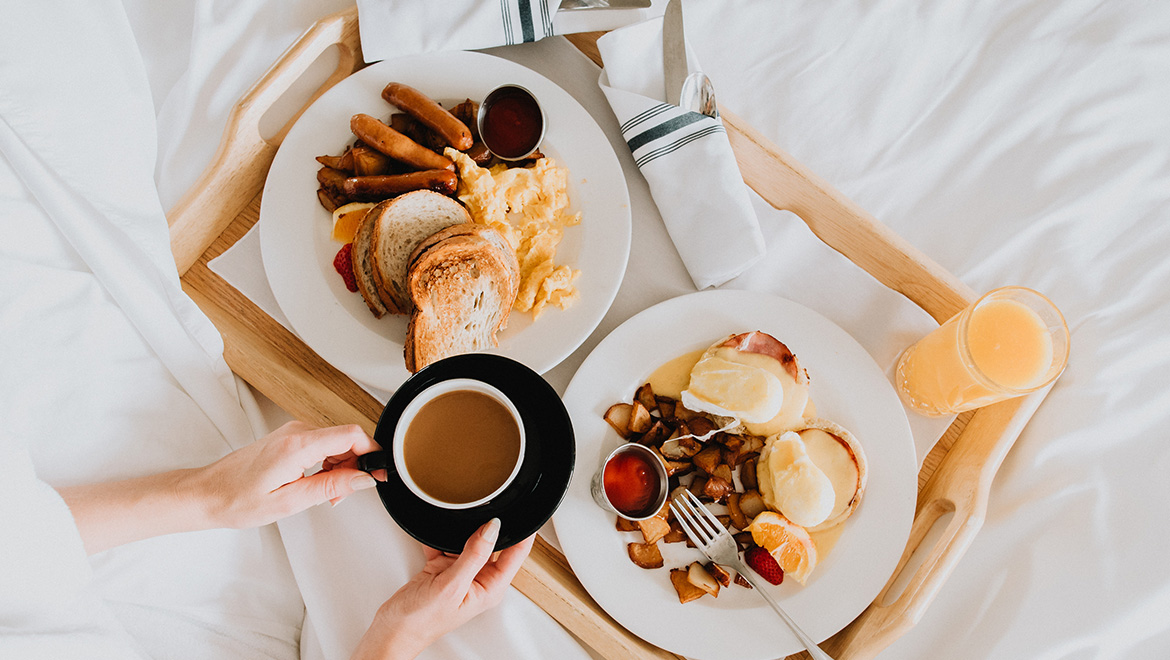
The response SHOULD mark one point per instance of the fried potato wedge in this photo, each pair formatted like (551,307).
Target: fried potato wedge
(679,448)
(698,576)
(719,573)
(707,459)
(738,520)
(697,485)
(748,476)
(618,415)
(752,504)
(640,419)
(623,525)
(645,555)
(656,434)
(645,396)
(370,162)
(701,427)
(653,529)
(686,591)
(676,533)
(743,539)
(723,471)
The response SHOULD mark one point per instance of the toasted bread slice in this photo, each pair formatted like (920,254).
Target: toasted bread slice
(468,229)
(463,283)
(363,267)
(400,224)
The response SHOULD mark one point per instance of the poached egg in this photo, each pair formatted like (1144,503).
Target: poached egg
(752,378)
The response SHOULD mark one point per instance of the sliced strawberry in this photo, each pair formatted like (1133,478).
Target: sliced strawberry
(763,563)
(343,262)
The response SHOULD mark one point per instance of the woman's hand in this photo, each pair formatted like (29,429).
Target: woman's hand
(446,593)
(266,481)
(253,486)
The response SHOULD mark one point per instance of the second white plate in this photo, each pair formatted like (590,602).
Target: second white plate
(847,387)
(298,253)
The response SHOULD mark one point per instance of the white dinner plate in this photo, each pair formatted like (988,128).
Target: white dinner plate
(847,387)
(298,252)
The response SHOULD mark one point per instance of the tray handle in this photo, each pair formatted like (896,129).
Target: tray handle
(960,485)
(242,160)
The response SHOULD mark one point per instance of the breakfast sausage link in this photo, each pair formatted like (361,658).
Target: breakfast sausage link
(384,186)
(431,114)
(396,145)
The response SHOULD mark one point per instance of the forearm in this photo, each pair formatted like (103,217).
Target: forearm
(110,514)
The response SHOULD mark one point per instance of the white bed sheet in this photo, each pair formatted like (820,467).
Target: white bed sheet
(108,369)
(1015,142)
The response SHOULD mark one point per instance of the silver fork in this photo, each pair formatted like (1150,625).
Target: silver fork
(715,542)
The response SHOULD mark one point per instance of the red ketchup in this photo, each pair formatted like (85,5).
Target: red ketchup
(512,124)
(631,483)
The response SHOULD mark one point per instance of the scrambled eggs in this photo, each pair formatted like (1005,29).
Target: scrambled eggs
(528,206)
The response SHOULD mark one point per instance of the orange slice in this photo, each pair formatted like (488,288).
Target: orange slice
(347,219)
(787,542)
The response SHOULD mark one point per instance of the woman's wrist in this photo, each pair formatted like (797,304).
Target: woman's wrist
(390,637)
(199,504)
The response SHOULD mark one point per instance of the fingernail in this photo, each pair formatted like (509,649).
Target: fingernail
(362,481)
(491,530)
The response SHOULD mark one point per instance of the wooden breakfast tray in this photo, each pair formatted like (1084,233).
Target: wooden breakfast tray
(955,477)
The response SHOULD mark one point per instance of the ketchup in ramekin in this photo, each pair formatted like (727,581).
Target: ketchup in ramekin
(511,122)
(631,482)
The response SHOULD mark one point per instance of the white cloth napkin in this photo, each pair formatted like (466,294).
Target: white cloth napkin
(684,156)
(392,28)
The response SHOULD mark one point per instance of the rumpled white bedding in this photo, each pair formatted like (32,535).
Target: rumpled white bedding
(109,370)
(1021,142)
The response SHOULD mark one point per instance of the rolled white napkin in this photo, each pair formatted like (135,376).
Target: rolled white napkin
(684,156)
(392,28)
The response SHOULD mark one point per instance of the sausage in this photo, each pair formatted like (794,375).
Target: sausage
(385,186)
(431,114)
(396,145)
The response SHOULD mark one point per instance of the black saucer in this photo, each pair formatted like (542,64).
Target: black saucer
(532,497)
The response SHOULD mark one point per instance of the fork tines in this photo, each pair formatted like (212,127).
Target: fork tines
(699,524)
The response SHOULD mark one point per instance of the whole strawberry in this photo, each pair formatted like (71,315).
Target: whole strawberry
(763,563)
(343,262)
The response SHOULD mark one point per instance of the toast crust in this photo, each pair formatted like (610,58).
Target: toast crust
(366,283)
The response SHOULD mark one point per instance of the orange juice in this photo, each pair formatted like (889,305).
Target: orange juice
(1011,341)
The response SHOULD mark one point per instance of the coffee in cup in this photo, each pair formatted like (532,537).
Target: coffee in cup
(458,444)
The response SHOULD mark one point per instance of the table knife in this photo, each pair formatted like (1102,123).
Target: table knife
(674,51)
(584,5)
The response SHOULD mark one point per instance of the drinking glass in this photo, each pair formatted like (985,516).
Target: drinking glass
(1010,342)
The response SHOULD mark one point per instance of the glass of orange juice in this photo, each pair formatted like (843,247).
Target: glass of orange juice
(1010,342)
